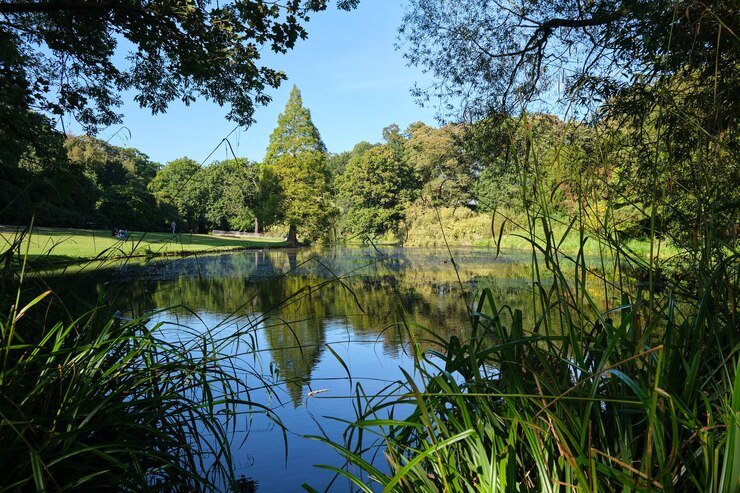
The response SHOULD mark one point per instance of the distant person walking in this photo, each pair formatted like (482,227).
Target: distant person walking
(174,227)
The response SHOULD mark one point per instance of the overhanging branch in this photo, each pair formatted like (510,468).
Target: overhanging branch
(57,6)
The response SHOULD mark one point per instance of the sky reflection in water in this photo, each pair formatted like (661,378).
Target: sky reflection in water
(290,305)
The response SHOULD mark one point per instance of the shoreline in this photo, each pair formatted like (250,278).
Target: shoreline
(60,247)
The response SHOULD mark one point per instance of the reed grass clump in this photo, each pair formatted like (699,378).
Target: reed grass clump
(623,404)
(635,390)
(106,404)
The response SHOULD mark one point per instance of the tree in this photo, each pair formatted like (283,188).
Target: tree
(447,179)
(230,189)
(22,164)
(297,156)
(59,195)
(100,161)
(375,190)
(495,147)
(241,195)
(489,56)
(393,136)
(337,163)
(120,177)
(177,184)
(60,57)
(130,206)
(268,203)
(79,182)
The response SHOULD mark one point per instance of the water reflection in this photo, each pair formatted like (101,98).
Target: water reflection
(387,297)
(366,305)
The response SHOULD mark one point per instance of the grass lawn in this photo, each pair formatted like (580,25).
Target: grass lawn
(53,244)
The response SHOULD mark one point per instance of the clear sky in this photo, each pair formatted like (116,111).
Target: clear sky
(351,77)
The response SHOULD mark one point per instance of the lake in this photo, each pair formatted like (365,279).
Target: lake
(300,320)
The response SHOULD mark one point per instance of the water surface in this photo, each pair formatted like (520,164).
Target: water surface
(307,317)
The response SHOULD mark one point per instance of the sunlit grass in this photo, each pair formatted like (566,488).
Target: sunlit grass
(464,227)
(69,244)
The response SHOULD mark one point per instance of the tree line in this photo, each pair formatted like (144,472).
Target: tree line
(657,149)
(374,190)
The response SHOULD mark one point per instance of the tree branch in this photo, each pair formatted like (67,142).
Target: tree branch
(54,6)
(552,24)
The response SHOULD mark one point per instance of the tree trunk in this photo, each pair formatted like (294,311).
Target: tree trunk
(256,225)
(292,238)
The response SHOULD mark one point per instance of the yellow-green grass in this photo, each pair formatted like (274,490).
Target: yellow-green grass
(462,227)
(61,244)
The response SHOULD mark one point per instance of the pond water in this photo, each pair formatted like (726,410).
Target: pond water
(305,315)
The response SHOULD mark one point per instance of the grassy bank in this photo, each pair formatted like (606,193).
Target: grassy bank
(463,227)
(61,244)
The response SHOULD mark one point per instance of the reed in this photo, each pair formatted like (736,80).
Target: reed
(638,392)
(103,403)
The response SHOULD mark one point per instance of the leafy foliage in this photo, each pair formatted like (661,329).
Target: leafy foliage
(438,162)
(297,157)
(82,181)
(491,57)
(177,184)
(374,190)
(60,57)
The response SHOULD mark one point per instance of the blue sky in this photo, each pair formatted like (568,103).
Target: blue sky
(351,77)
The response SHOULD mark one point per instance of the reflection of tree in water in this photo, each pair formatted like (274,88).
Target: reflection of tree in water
(294,331)
(298,305)
(245,485)
(373,298)
(292,259)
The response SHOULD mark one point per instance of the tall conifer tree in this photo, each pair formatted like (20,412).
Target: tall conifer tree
(297,156)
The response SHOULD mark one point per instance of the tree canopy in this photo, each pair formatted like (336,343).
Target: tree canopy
(374,191)
(436,157)
(76,56)
(81,181)
(176,184)
(489,56)
(655,83)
